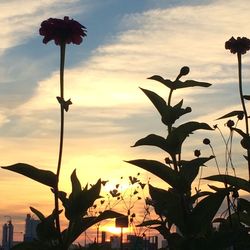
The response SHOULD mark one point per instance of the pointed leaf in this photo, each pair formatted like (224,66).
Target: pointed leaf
(149,223)
(75,183)
(237,182)
(168,204)
(46,230)
(190,169)
(160,170)
(246,97)
(176,138)
(233,113)
(191,83)
(153,140)
(78,205)
(168,113)
(179,84)
(37,213)
(160,79)
(204,212)
(43,176)
(82,224)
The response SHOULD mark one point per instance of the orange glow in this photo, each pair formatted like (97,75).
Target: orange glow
(115,230)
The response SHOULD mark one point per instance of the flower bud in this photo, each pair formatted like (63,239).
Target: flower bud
(184,71)
(230,123)
(197,153)
(206,141)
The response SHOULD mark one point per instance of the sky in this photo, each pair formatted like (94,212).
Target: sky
(127,42)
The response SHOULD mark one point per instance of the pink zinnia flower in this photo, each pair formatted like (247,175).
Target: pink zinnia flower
(62,31)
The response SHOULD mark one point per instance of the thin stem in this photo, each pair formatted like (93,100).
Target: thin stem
(62,60)
(243,106)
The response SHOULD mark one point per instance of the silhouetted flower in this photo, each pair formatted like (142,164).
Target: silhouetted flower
(240,45)
(62,31)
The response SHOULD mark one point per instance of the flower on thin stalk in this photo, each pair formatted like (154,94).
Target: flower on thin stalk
(240,45)
(62,31)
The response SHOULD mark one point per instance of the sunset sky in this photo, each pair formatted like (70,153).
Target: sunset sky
(127,42)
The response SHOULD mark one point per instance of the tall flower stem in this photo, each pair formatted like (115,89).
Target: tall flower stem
(62,61)
(244,107)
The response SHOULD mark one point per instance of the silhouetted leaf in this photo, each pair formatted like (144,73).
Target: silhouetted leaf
(149,223)
(202,215)
(178,135)
(43,176)
(179,84)
(168,113)
(82,224)
(37,213)
(231,180)
(233,113)
(199,195)
(172,144)
(246,97)
(190,169)
(168,204)
(153,140)
(46,229)
(79,203)
(76,185)
(160,170)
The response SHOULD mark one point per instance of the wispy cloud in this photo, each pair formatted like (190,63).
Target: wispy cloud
(158,41)
(19,22)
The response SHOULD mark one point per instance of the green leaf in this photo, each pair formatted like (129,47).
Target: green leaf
(168,113)
(202,215)
(190,169)
(43,176)
(160,170)
(168,204)
(233,113)
(179,84)
(237,182)
(37,213)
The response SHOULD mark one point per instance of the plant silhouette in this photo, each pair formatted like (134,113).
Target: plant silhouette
(80,200)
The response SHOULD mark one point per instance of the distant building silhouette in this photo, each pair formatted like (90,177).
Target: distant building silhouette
(30,228)
(7,237)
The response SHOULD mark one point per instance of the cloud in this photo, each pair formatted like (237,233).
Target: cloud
(20,23)
(158,41)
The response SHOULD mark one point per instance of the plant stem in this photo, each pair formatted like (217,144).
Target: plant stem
(62,60)
(244,107)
